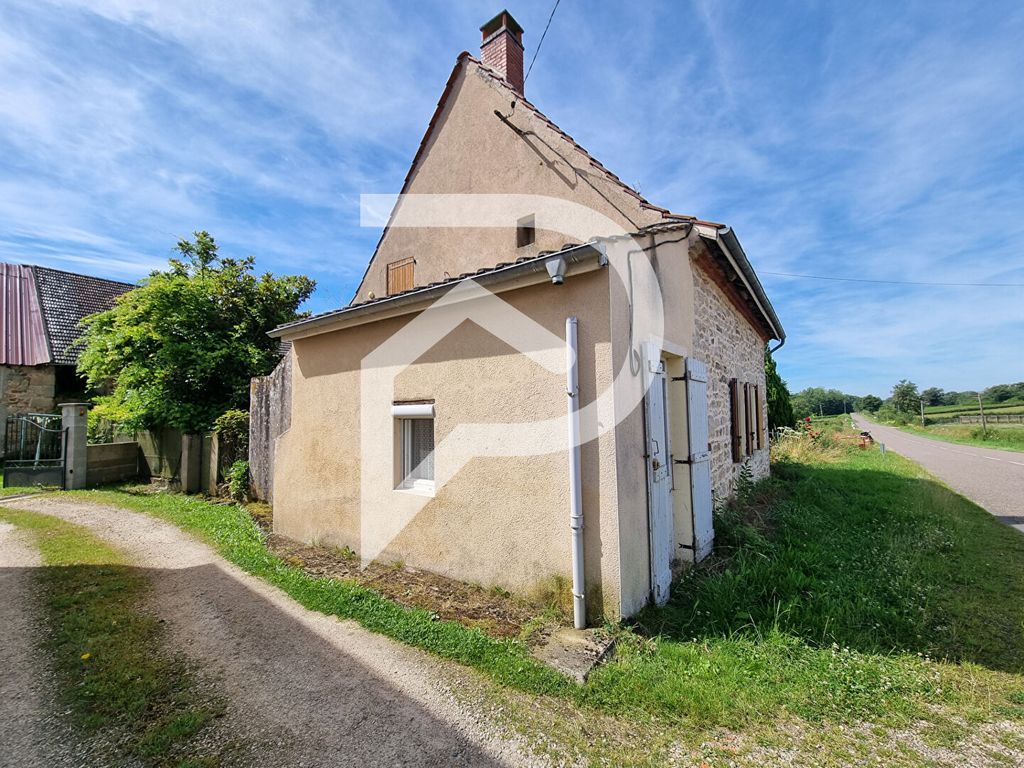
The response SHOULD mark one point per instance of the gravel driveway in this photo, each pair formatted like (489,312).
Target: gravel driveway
(991,478)
(310,689)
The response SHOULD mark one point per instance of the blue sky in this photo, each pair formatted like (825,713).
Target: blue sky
(871,140)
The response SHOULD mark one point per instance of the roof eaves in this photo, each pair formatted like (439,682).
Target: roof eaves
(723,235)
(498,273)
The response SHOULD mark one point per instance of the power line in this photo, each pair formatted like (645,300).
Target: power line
(895,282)
(528,71)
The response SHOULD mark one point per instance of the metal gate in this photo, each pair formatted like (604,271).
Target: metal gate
(34,450)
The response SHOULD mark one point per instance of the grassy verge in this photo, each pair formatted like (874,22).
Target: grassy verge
(231,530)
(116,676)
(1002,436)
(14,491)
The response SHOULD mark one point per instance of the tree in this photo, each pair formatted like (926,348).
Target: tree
(932,396)
(180,350)
(998,393)
(817,401)
(870,403)
(780,409)
(905,398)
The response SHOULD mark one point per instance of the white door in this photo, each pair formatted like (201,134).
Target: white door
(700,457)
(659,479)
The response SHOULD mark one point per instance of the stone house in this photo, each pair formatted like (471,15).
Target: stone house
(39,325)
(542,375)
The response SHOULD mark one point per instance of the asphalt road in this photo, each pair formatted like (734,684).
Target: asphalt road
(993,479)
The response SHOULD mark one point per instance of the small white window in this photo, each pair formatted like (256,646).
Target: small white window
(417,470)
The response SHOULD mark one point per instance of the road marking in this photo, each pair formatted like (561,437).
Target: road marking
(1018,463)
(991,458)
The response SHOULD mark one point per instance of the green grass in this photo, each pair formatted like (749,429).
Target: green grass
(877,593)
(115,674)
(1005,437)
(233,533)
(13,491)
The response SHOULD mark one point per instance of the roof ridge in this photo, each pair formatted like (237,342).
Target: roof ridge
(79,274)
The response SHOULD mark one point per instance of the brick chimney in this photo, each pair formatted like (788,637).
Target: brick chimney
(502,48)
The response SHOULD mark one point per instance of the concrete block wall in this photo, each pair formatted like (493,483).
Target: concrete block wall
(112,463)
(733,349)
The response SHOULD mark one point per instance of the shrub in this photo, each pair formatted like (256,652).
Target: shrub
(238,480)
(232,428)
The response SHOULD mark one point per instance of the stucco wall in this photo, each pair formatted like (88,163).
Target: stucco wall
(733,349)
(499,520)
(472,151)
(27,389)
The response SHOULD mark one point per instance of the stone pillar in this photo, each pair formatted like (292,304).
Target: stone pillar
(191,463)
(75,422)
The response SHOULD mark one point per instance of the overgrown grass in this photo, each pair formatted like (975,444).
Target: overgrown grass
(116,675)
(1003,436)
(850,587)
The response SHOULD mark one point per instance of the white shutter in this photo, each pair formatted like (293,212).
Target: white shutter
(659,477)
(700,457)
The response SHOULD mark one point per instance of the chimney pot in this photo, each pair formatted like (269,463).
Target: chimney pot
(501,48)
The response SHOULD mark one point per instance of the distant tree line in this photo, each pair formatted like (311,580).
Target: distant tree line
(905,400)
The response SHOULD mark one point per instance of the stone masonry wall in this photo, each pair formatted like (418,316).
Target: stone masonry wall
(732,349)
(27,389)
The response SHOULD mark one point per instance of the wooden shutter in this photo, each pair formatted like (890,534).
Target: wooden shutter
(400,276)
(751,443)
(759,405)
(738,413)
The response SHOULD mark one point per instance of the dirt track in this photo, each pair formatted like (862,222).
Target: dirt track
(311,690)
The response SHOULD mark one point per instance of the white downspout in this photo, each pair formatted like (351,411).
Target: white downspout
(579,605)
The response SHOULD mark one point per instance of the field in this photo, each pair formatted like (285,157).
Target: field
(1010,406)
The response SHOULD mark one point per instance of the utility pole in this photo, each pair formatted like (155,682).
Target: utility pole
(922,413)
(984,427)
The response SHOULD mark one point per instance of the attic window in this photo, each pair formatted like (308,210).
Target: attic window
(400,276)
(526,231)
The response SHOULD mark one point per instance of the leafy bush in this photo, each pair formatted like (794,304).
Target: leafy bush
(183,346)
(232,428)
(238,480)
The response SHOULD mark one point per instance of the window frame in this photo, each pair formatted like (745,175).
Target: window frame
(404,480)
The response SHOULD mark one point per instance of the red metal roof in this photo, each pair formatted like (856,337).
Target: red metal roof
(22,333)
